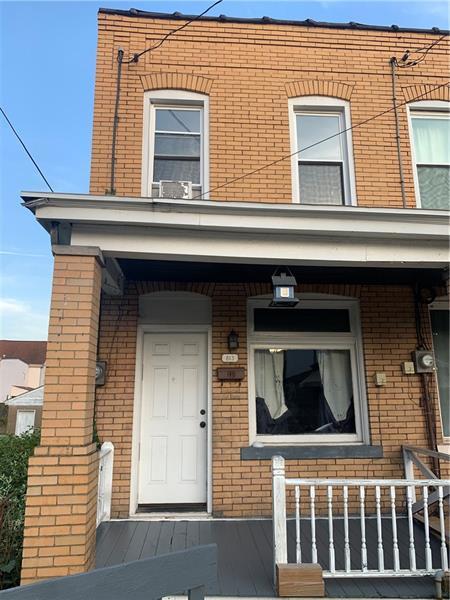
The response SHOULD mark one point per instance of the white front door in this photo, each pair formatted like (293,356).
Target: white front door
(173,440)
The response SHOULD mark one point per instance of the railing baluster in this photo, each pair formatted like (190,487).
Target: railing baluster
(346,533)
(428,556)
(412,549)
(298,546)
(330,529)
(444,557)
(362,495)
(313,524)
(379,529)
(394,531)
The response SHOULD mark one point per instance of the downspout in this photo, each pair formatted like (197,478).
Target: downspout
(393,63)
(112,190)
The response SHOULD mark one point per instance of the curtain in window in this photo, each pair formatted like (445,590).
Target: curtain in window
(269,368)
(432,140)
(335,372)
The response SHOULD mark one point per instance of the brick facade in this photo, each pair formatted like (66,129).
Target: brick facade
(249,71)
(242,488)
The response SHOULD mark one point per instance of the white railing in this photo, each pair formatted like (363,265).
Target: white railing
(105,476)
(333,502)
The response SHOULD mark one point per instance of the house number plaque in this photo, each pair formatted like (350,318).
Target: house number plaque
(230,373)
(230,358)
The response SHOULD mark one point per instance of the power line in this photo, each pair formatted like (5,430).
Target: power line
(405,63)
(138,55)
(278,160)
(26,149)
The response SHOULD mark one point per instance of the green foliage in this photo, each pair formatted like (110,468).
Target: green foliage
(14,454)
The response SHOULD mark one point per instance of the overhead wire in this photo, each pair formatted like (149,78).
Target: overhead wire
(285,157)
(26,149)
(405,63)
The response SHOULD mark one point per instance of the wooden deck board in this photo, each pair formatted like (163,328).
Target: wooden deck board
(245,553)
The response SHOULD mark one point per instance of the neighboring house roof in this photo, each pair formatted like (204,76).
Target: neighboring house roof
(134,12)
(31,352)
(32,398)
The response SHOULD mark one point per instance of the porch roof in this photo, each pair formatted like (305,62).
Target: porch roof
(243,232)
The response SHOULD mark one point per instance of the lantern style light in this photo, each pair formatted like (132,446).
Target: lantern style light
(233,341)
(283,283)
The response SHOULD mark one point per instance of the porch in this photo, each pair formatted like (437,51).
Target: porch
(245,553)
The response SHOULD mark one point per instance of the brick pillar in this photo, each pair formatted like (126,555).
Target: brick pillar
(60,517)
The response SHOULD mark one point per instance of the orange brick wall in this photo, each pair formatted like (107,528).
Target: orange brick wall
(60,517)
(249,71)
(242,488)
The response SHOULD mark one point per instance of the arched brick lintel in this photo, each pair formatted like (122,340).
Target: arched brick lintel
(319,87)
(425,91)
(176,81)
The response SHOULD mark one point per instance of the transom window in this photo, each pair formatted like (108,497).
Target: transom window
(175,143)
(323,171)
(306,383)
(430,123)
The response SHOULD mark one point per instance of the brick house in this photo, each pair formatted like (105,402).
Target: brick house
(170,286)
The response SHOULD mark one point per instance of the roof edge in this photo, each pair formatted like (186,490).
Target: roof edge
(134,12)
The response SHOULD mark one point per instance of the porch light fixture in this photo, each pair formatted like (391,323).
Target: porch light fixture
(233,341)
(283,283)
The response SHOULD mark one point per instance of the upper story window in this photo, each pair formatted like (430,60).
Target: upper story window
(322,172)
(430,125)
(175,140)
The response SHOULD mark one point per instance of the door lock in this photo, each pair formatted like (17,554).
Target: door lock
(203,424)
(203,411)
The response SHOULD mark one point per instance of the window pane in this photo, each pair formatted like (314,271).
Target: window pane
(312,129)
(320,184)
(303,392)
(303,319)
(434,186)
(176,170)
(177,145)
(431,140)
(169,119)
(441,342)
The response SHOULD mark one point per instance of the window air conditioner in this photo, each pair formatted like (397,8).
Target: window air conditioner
(175,189)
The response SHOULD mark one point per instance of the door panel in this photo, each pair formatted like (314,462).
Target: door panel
(173,446)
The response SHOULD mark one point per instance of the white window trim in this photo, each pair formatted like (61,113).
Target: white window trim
(173,99)
(351,341)
(25,410)
(429,108)
(440,304)
(322,104)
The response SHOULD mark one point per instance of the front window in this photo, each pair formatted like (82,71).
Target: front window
(431,141)
(322,164)
(307,382)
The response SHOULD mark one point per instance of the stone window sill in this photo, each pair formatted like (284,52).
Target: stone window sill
(311,452)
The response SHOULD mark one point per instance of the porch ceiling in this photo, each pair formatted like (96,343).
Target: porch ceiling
(160,270)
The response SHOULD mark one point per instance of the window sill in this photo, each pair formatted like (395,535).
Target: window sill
(311,452)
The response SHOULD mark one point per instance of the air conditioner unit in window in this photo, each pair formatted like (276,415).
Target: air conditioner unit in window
(175,189)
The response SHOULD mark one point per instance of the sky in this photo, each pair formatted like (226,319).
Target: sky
(47,65)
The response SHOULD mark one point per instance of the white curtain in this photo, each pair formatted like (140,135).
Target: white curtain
(432,140)
(269,380)
(335,372)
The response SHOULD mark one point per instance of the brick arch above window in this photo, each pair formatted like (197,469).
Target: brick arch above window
(319,87)
(176,81)
(426,92)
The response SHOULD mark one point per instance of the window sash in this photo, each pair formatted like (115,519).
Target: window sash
(325,163)
(313,438)
(342,138)
(155,185)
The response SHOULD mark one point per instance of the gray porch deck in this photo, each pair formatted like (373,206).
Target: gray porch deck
(245,553)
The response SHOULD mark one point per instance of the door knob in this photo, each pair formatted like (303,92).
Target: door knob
(203,424)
